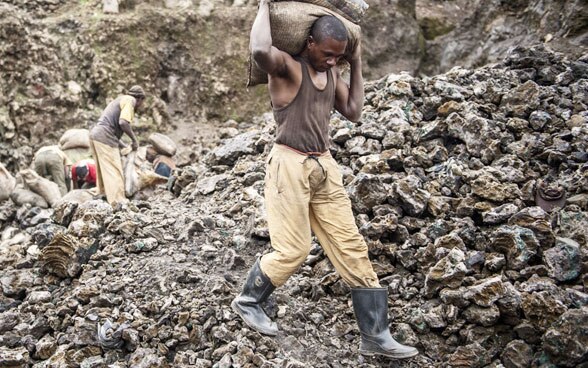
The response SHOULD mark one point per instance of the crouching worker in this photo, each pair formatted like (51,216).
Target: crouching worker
(306,193)
(162,165)
(105,143)
(51,163)
(83,174)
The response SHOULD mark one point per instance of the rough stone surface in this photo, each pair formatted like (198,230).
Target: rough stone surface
(563,260)
(441,173)
(566,341)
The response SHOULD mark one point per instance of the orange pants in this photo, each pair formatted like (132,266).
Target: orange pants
(303,194)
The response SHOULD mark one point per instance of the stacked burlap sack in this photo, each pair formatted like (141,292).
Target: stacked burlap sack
(33,189)
(291,22)
(138,172)
(75,143)
(163,144)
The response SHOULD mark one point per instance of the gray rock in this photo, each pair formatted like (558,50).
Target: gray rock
(372,130)
(435,317)
(495,261)
(45,347)
(482,316)
(542,308)
(143,245)
(380,226)
(517,354)
(567,341)
(232,149)
(208,185)
(342,135)
(449,271)
(413,199)
(36,297)
(536,219)
(454,297)
(432,130)
(16,282)
(520,101)
(8,320)
(563,260)
(519,244)
(538,119)
(472,356)
(147,358)
(485,292)
(500,214)
(487,187)
(528,332)
(18,357)
(366,191)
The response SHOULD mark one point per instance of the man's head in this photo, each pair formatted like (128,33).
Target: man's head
(326,43)
(82,171)
(138,93)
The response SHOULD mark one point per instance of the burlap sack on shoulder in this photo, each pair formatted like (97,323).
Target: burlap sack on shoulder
(352,10)
(290,26)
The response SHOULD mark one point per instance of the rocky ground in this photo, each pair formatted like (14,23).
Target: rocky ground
(442,173)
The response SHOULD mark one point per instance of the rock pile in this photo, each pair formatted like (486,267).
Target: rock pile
(442,173)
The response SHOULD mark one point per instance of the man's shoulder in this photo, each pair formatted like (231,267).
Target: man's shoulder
(127,100)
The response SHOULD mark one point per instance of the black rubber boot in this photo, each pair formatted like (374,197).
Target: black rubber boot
(256,290)
(371,311)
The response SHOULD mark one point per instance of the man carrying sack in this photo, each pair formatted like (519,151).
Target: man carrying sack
(105,143)
(303,185)
(51,163)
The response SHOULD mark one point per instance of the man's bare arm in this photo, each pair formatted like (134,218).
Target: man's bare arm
(268,58)
(349,99)
(126,127)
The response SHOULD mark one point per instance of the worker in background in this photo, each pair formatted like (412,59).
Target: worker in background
(51,163)
(83,174)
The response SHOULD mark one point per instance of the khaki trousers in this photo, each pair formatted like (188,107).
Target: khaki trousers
(109,172)
(304,193)
(49,164)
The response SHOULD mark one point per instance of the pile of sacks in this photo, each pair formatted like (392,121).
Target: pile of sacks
(30,188)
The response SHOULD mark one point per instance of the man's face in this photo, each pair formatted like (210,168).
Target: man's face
(139,103)
(325,54)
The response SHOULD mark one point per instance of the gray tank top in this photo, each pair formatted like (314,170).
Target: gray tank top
(303,124)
